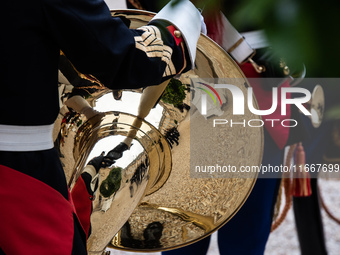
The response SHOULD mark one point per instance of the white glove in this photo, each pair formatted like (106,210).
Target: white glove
(187,19)
(203,26)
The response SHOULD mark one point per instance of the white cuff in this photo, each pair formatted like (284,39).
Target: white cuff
(186,18)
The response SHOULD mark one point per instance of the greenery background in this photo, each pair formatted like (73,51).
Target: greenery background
(301,31)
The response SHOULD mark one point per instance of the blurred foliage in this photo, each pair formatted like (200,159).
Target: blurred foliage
(300,31)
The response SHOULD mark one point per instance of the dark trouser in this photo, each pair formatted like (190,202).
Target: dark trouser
(307,213)
(45,167)
(309,223)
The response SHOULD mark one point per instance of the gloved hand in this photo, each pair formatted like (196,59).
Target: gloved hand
(96,162)
(90,173)
(114,154)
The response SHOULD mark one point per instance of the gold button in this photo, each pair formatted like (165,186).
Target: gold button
(286,70)
(177,33)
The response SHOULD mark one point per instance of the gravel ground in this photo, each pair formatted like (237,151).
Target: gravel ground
(284,240)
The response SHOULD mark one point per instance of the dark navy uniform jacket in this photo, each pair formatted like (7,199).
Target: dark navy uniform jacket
(32,35)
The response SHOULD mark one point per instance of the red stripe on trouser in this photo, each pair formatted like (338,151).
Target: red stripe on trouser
(35,218)
(82,203)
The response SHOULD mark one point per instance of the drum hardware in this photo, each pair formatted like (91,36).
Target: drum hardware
(316,106)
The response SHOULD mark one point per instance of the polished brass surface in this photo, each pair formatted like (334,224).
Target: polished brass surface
(143,165)
(189,209)
(162,206)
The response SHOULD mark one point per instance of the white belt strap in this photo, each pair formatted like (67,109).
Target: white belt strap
(234,43)
(241,46)
(26,138)
(256,39)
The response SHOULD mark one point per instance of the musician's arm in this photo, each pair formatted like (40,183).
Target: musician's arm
(103,46)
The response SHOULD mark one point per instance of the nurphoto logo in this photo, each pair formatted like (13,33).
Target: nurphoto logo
(238,99)
(238,103)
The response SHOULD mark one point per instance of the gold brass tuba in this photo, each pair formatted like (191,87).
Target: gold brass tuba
(158,201)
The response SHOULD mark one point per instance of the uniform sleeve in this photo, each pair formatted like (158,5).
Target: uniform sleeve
(105,47)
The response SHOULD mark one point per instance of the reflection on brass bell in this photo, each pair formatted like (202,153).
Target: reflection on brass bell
(154,197)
